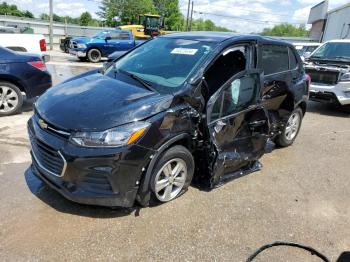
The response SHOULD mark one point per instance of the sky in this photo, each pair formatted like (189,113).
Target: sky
(250,16)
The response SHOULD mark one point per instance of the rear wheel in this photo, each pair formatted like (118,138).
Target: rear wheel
(94,55)
(11,99)
(172,175)
(291,129)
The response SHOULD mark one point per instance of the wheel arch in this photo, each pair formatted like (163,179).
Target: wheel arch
(14,81)
(303,106)
(143,195)
(94,47)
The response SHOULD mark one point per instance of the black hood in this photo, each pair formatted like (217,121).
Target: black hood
(98,102)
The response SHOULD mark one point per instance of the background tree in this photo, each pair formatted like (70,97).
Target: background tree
(169,9)
(286,30)
(124,12)
(85,19)
(207,25)
(6,9)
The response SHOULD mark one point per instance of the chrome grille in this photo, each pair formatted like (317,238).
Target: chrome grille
(47,158)
(73,44)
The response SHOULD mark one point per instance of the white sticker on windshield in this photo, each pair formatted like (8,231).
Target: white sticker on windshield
(184,51)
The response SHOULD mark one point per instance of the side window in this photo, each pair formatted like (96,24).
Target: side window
(237,96)
(232,61)
(275,59)
(124,36)
(115,35)
(293,61)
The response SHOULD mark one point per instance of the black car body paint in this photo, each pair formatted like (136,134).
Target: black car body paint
(116,176)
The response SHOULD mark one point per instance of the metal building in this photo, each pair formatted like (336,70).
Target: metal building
(329,25)
(338,24)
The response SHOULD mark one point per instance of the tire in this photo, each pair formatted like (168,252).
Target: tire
(174,185)
(94,55)
(291,129)
(11,99)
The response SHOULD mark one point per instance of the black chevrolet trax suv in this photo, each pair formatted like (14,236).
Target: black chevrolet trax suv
(180,108)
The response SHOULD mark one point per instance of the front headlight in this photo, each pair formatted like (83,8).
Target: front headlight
(345,77)
(116,137)
(81,46)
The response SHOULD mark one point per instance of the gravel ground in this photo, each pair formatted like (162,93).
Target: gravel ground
(301,195)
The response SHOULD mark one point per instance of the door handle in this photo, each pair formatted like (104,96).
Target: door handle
(257,123)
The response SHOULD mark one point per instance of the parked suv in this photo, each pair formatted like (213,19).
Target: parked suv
(329,69)
(179,107)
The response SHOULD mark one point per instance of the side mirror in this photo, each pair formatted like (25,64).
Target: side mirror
(108,38)
(106,65)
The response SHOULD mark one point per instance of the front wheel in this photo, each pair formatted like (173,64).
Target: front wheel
(94,55)
(172,175)
(291,129)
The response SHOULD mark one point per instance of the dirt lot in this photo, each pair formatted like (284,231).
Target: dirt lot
(301,195)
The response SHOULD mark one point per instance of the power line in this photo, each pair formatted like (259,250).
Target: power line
(248,10)
(246,19)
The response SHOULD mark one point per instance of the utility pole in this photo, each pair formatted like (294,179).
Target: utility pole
(188,14)
(51,24)
(191,17)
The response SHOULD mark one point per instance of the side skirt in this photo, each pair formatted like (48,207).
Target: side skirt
(251,168)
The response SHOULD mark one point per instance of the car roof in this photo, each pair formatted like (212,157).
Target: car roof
(218,37)
(116,30)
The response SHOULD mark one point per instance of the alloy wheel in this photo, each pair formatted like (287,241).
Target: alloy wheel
(292,127)
(170,180)
(8,99)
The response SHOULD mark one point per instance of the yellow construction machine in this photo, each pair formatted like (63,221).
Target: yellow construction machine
(149,26)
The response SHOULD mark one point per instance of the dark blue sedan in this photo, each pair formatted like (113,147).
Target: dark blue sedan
(20,73)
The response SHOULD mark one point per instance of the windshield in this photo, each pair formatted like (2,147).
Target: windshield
(165,63)
(333,50)
(101,35)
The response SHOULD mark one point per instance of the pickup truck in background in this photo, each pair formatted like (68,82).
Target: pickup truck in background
(30,43)
(102,44)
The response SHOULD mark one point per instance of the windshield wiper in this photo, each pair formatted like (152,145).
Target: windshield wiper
(143,82)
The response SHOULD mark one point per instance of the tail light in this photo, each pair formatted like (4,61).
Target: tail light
(42,45)
(38,65)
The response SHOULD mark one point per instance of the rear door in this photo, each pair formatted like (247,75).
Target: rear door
(120,41)
(238,125)
(126,41)
(274,60)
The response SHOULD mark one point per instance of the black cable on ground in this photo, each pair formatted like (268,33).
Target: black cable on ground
(290,244)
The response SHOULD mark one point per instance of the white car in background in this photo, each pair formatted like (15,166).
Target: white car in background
(306,49)
(31,43)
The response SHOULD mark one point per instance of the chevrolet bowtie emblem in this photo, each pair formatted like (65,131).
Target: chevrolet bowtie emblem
(42,124)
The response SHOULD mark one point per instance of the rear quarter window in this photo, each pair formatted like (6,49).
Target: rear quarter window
(275,59)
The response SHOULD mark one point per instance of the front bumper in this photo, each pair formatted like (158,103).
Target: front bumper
(339,93)
(93,176)
(77,52)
